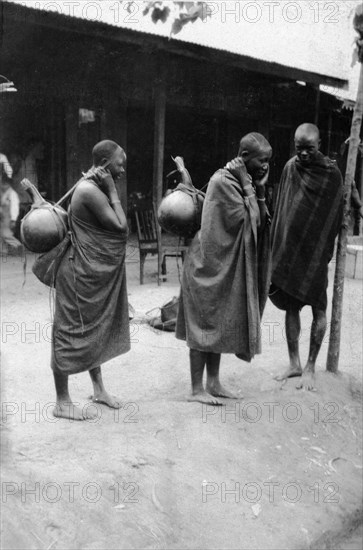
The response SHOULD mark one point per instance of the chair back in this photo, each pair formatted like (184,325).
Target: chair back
(146,226)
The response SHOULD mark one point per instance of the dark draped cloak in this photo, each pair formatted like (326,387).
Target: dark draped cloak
(91,323)
(225,275)
(306,221)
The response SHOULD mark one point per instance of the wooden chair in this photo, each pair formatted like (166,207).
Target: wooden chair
(151,242)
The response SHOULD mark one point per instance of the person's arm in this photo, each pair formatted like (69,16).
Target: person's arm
(261,196)
(105,204)
(238,170)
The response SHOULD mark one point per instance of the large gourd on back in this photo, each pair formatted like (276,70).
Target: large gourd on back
(180,211)
(45,225)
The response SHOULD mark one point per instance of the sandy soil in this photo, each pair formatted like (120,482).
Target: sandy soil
(277,468)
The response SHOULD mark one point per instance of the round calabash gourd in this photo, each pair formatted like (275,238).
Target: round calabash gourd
(180,210)
(45,225)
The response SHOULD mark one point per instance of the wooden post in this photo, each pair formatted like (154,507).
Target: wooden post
(113,125)
(58,145)
(53,176)
(330,127)
(336,319)
(103,124)
(72,164)
(118,122)
(360,182)
(264,123)
(159,141)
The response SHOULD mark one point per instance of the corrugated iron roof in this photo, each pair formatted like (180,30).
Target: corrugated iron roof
(315,37)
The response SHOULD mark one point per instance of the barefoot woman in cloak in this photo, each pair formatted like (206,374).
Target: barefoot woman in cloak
(91,322)
(226,272)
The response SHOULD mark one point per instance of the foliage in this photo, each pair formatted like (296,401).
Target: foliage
(183,12)
(358,27)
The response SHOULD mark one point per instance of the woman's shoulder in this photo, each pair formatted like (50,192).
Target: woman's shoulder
(87,186)
(223,179)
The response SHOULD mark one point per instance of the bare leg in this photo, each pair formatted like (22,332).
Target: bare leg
(214,386)
(293,327)
(100,395)
(198,360)
(318,329)
(64,407)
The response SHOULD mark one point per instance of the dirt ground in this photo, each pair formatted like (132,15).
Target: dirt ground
(279,468)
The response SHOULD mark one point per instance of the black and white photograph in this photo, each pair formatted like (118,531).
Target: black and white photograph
(181,274)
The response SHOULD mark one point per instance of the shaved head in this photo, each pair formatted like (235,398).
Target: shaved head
(256,153)
(307,143)
(104,150)
(109,154)
(307,130)
(253,143)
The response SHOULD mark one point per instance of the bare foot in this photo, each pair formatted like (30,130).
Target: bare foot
(289,373)
(66,409)
(107,399)
(307,381)
(217,390)
(203,397)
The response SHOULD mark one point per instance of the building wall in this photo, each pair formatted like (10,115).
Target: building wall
(209,106)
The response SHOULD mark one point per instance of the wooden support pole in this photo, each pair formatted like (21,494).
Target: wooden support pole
(159,141)
(54,192)
(117,124)
(330,128)
(103,123)
(159,144)
(337,308)
(72,164)
(359,183)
